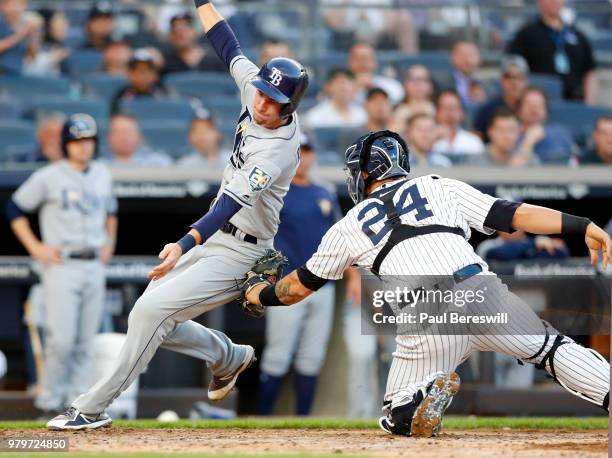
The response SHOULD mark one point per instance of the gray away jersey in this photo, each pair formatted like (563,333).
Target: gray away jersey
(263,162)
(358,237)
(73,205)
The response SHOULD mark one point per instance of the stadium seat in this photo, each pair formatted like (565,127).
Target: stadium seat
(17,138)
(228,131)
(30,88)
(551,85)
(171,137)
(10,108)
(578,118)
(149,109)
(225,109)
(435,61)
(335,140)
(96,108)
(103,85)
(202,84)
(83,62)
(329,158)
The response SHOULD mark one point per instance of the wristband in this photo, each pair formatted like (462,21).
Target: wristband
(187,243)
(571,224)
(199,3)
(268,298)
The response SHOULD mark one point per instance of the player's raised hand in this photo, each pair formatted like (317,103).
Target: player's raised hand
(46,254)
(170,256)
(598,239)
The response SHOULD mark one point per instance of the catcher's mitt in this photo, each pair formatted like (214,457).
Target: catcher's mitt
(268,269)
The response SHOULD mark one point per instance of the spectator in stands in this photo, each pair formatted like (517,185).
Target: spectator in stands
(504,147)
(116,58)
(48,51)
(419,90)
(273,48)
(49,137)
(421,135)
(186,53)
(143,76)
(373,21)
(99,27)
(518,245)
(205,138)
(127,146)
(601,153)
(455,140)
(465,58)
(378,109)
(553,143)
(16,32)
(553,47)
(363,63)
(340,109)
(514,81)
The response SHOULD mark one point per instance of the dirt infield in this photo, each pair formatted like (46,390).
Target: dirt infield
(368,442)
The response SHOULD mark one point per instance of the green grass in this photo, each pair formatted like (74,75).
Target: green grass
(450,422)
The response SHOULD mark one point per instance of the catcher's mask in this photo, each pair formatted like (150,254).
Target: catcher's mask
(382,155)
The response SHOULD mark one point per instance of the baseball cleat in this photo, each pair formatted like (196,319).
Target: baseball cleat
(74,420)
(221,386)
(427,419)
(383,423)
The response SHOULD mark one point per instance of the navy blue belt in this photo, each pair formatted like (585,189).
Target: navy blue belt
(84,255)
(229,228)
(466,272)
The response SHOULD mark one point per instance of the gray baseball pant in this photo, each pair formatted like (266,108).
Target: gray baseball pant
(203,279)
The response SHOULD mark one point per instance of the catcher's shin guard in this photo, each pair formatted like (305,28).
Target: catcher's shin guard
(581,371)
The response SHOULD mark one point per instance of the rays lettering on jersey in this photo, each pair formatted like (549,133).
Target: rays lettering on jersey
(417,203)
(83,202)
(237,159)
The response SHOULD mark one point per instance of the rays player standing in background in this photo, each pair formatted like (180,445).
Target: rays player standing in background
(301,333)
(200,271)
(421,226)
(77,216)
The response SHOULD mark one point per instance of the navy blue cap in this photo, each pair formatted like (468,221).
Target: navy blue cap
(306,142)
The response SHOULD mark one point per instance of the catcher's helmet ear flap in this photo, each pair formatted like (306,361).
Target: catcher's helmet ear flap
(285,81)
(382,155)
(78,127)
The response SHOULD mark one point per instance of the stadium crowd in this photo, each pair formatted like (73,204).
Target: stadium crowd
(161,96)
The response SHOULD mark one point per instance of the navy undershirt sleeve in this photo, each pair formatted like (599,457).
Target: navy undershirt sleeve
(501,214)
(13,211)
(215,219)
(224,42)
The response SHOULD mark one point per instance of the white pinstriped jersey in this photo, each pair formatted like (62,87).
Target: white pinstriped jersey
(358,237)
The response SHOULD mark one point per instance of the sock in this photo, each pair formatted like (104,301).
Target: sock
(305,386)
(269,387)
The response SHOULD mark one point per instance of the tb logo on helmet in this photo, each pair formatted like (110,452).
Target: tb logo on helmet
(276,76)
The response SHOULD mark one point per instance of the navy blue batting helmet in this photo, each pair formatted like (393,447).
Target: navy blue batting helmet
(284,80)
(382,155)
(79,127)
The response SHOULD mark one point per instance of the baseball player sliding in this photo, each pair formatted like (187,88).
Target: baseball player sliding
(421,226)
(199,272)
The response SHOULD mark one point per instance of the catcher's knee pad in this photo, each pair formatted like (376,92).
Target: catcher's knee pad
(400,416)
